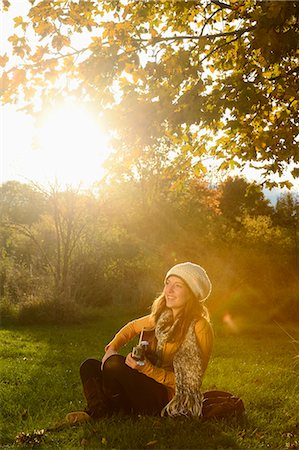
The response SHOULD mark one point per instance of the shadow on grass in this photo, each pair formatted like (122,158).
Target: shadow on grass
(147,432)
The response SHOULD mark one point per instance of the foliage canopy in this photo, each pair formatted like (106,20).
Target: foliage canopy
(210,77)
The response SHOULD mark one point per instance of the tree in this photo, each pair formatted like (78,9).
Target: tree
(211,77)
(287,217)
(55,236)
(21,206)
(20,203)
(239,198)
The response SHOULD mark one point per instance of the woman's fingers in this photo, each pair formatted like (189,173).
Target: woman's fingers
(131,362)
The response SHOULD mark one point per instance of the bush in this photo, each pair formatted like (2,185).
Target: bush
(8,312)
(36,312)
(287,309)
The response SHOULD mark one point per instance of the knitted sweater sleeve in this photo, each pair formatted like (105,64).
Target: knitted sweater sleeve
(159,374)
(205,338)
(129,331)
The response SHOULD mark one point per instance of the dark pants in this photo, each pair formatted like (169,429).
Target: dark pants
(118,388)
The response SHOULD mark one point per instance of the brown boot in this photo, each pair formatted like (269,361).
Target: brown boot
(97,402)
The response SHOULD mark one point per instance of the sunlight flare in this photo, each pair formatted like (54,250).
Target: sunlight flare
(72,145)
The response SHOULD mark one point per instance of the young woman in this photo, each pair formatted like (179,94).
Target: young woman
(168,380)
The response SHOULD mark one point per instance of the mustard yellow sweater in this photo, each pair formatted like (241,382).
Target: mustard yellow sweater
(164,374)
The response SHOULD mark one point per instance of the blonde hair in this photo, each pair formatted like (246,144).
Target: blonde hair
(192,310)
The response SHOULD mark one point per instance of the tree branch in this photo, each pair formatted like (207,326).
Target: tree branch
(206,36)
(23,229)
(217,48)
(222,5)
(208,19)
(294,70)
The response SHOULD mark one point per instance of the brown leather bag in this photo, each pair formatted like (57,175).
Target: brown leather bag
(220,404)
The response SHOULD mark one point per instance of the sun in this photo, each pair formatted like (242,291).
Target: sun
(71,145)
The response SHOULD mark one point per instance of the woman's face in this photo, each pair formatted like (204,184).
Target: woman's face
(176,293)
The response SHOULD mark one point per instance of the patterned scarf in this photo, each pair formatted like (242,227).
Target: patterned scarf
(187,365)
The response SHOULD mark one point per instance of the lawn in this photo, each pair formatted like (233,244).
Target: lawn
(40,384)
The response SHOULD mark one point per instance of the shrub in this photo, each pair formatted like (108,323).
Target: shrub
(8,312)
(36,312)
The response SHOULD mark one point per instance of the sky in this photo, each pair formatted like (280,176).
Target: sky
(69,147)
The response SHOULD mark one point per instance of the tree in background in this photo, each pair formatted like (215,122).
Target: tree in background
(20,206)
(20,203)
(44,239)
(287,217)
(86,249)
(211,77)
(240,197)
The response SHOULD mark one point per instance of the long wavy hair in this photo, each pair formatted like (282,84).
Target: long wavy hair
(193,309)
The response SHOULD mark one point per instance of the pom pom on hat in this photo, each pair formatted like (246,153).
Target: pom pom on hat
(195,277)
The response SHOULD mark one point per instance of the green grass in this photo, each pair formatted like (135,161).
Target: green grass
(40,384)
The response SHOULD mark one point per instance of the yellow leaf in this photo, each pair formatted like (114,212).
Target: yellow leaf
(14,39)
(44,28)
(4,82)
(287,184)
(153,32)
(60,41)
(19,75)
(135,77)
(18,21)
(39,53)
(3,60)
(96,42)
(129,67)
(199,169)
(267,74)
(105,34)
(6,5)
(186,148)
(150,443)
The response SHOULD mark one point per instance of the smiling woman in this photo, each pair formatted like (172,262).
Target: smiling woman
(71,144)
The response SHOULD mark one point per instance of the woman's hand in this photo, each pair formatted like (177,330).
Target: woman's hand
(109,351)
(131,362)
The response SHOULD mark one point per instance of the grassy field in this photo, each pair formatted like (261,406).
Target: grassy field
(40,384)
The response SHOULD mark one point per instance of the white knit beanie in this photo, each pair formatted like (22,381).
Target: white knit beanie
(195,277)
